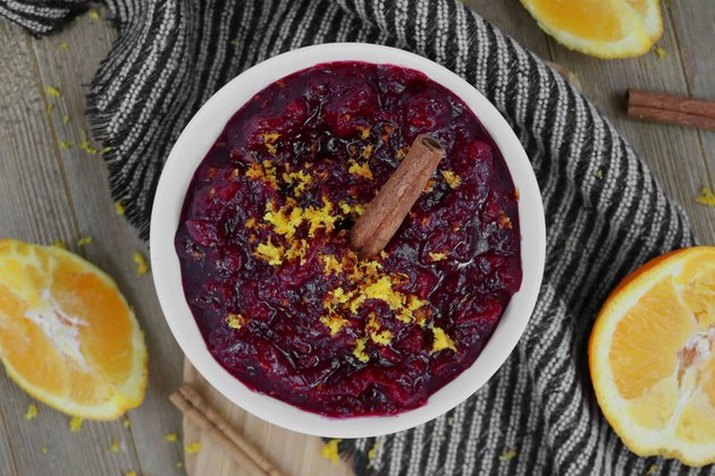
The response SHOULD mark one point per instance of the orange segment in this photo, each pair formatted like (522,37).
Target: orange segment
(652,357)
(646,338)
(577,18)
(601,28)
(67,335)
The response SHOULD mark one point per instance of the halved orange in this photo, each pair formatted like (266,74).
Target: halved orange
(67,335)
(601,28)
(652,357)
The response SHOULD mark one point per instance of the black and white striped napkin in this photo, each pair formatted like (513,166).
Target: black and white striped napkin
(605,212)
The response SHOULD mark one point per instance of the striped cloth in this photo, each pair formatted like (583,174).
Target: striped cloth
(605,213)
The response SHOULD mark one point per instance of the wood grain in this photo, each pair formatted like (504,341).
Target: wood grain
(36,207)
(693,23)
(71,70)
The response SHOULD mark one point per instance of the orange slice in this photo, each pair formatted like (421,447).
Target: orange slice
(601,28)
(652,357)
(67,335)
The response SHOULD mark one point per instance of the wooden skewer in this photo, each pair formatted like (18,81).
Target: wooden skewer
(191,404)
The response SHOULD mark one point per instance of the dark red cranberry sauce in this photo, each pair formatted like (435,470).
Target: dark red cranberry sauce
(281,300)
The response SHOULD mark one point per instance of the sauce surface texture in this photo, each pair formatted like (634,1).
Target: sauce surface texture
(282,301)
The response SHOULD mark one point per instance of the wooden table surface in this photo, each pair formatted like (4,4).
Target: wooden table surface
(51,192)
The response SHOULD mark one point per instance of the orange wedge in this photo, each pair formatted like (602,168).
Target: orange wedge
(67,335)
(652,357)
(601,28)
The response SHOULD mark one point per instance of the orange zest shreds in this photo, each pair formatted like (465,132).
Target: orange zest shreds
(65,119)
(378,337)
(331,451)
(250,223)
(86,146)
(598,174)
(119,208)
(320,218)
(364,131)
(114,447)
(76,424)
(297,250)
(63,45)
(361,170)
(452,179)
(93,14)
(171,437)
(507,455)
(436,256)
(269,252)
(142,266)
(367,152)
(84,241)
(269,140)
(66,144)
(31,412)
(441,340)
(301,178)
(660,53)
(234,321)
(285,220)
(504,222)
(359,351)
(333,322)
(264,172)
(53,92)
(192,448)
(49,108)
(706,197)
(372,454)
(331,265)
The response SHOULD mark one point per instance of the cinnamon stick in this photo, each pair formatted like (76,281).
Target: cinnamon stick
(671,102)
(386,212)
(671,109)
(671,117)
(190,394)
(219,430)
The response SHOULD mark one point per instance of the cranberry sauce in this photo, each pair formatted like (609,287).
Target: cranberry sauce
(281,300)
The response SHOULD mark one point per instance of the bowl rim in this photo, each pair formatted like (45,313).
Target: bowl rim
(190,149)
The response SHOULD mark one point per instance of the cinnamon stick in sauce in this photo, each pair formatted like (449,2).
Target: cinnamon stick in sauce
(386,212)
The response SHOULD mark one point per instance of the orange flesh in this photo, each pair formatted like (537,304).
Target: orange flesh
(596,20)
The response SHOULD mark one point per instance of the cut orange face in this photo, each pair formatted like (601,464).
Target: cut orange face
(67,335)
(601,28)
(652,357)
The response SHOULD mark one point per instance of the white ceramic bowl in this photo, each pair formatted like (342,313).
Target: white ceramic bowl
(190,149)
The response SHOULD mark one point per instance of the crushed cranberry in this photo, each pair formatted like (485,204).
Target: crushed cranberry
(284,304)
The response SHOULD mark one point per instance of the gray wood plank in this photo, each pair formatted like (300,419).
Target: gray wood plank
(36,208)
(693,24)
(71,70)
(674,154)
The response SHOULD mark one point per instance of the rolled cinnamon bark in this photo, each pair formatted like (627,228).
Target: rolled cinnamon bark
(386,212)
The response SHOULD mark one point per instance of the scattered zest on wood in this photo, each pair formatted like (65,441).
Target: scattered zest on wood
(671,109)
(193,405)
(385,213)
